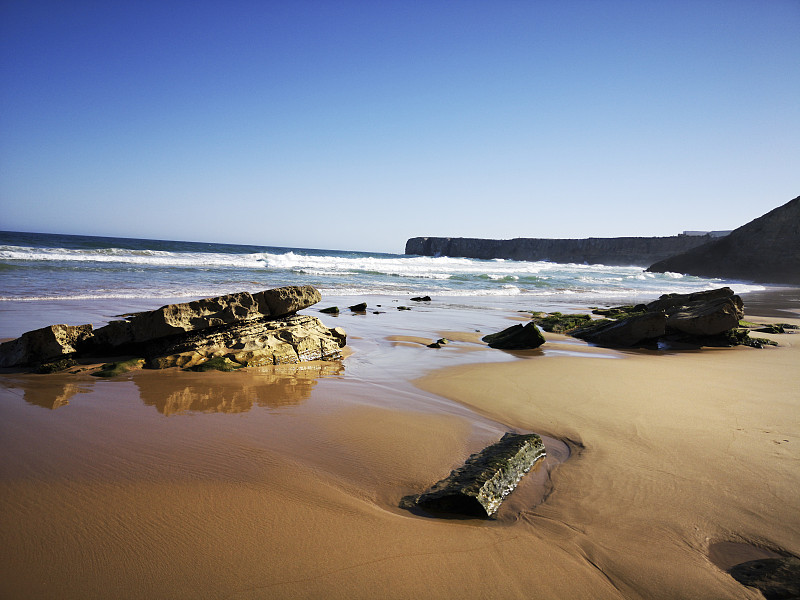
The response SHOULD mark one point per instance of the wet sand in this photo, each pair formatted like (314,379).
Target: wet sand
(284,483)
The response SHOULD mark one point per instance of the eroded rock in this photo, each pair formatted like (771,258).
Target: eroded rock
(245,329)
(44,345)
(479,486)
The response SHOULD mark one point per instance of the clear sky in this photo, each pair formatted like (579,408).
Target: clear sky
(358,124)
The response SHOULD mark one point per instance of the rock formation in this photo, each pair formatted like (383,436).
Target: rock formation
(709,318)
(624,251)
(248,329)
(765,250)
(479,486)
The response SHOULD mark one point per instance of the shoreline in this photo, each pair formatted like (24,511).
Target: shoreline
(286,484)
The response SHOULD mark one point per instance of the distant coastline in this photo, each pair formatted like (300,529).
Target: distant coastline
(621,251)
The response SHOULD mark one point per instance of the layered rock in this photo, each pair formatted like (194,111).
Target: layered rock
(703,318)
(766,250)
(624,251)
(626,332)
(479,486)
(248,329)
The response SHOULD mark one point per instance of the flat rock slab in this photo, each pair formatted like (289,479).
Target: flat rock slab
(477,488)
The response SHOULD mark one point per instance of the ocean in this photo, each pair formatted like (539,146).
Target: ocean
(37,266)
(52,271)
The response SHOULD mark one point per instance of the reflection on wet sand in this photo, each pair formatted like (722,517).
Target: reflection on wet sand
(48,392)
(273,387)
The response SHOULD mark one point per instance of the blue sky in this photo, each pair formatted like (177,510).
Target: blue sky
(355,125)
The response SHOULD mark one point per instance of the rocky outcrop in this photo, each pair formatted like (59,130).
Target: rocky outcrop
(199,315)
(479,486)
(765,250)
(246,329)
(709,318)
(625,251)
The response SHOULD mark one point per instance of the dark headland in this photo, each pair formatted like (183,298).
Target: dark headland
(766,250)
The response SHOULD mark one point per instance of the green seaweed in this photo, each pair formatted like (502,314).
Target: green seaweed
(118,368)
(218,363)
(557,322)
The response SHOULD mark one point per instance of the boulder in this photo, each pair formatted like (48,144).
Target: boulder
(625,332)
(43,345)
(360,307)
(669,302)
(708,318)
(516,337)
(479,486)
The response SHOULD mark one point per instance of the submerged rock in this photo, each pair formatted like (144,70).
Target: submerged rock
(478,487)
(516,337)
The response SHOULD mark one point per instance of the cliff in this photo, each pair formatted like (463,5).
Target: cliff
(639,251)
(766,250)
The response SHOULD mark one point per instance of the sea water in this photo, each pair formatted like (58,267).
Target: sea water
(36,266)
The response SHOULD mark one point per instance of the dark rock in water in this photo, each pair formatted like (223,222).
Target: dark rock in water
(625,332)
(45,345)
(776,578)
(331,310)
(478,487)
(422,299)
(403,308)
(439,343)
(361,307)
(516,337)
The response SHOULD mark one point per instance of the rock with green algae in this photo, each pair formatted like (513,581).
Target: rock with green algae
(56,366)
(118,368)
(478,488)
(218,363)
(557,322)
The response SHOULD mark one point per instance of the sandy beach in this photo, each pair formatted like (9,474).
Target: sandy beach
(663,469)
